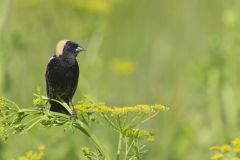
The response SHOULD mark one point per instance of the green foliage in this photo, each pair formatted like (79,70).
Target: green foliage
(124,120)
(182,53)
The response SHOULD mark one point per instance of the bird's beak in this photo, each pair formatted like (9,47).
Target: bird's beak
(79,49)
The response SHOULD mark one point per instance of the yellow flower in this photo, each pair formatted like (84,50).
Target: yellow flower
(123,66)
(30,153)
(86,151)
(236,142)
(41,148)
(217,156)
(237,149)
(225,148)
(140,134)
(146,133)
(231,151)
(34,155)
(102,108)
(98,6)
(214,148)
(150,138)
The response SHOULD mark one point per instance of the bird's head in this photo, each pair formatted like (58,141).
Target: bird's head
(68,48)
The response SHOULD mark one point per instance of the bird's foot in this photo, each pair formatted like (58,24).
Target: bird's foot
(47,101)
(74,115)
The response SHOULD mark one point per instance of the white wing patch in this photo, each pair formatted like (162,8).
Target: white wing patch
(51,59)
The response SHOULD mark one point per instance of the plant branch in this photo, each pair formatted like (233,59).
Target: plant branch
(119,147)
(84,128)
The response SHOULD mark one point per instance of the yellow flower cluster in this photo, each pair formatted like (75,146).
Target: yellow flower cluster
(227,150)
(99,6)
(217,156)
(224,148)
(86,151)
(136,133)
(1,101)
(123,66)
(34,155)
(102,108)
(236,144)
(39,102)
(4,114)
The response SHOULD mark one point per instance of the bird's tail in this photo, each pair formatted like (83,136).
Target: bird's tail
(57,107)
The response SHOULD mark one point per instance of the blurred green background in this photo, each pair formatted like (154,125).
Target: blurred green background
(183,54)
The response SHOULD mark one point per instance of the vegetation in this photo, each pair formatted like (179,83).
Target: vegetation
(183,54)
(123,120)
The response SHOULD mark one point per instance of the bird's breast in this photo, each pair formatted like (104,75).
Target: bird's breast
(66,71)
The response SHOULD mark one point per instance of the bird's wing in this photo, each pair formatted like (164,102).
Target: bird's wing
(47,76)
(74,82)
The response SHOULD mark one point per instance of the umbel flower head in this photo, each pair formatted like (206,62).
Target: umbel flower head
(16,120)
(124,120)
(8,112)
(102,108)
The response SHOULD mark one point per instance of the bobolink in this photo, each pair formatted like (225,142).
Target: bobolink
(62,75)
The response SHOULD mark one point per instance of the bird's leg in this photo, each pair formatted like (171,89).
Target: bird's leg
(74,113)
(47,101)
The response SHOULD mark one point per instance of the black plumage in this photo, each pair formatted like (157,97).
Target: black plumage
(62,75)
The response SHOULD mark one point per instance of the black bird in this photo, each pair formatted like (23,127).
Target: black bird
(62,75)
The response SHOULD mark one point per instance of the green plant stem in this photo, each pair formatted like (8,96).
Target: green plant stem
(126,148)
(110,122)
(145,120)
(32,125)
(4,13)
(84,128)
(119,146)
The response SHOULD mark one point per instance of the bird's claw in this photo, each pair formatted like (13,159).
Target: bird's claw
(74,115)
